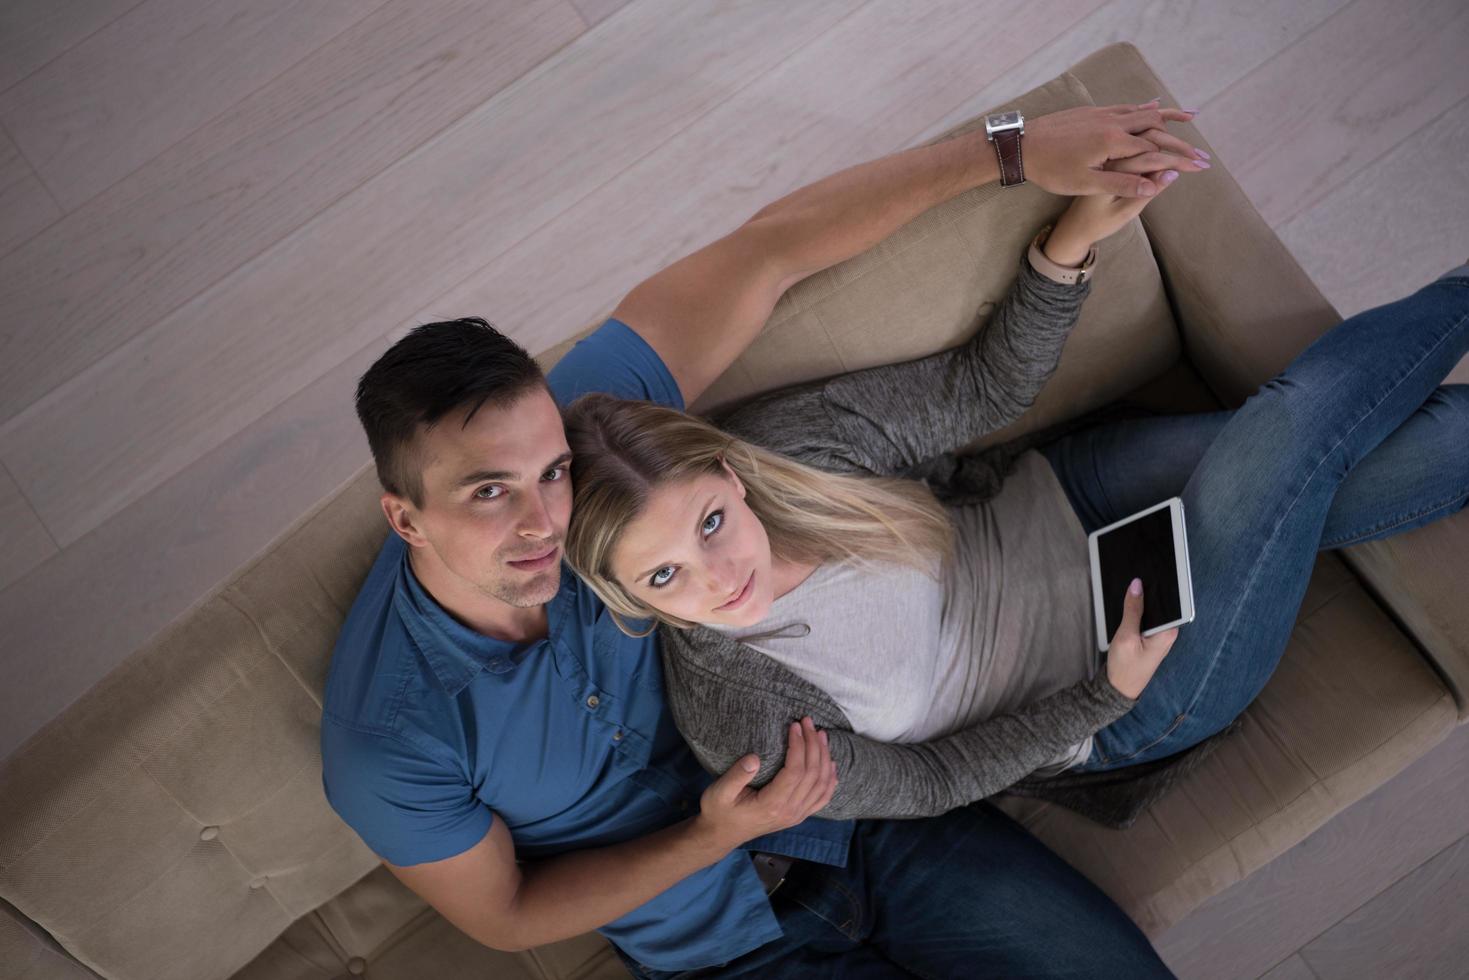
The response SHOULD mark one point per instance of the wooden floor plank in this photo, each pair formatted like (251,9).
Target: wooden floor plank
(25,205)
(1411,931)
(1368,78)
(148,79)
(1419,225)
(24,543)
(32,32)
(224,359)
(755,148)
(1251,926)
(1294,968)
(596,11)
(1199,47)
(248,178)
(78,615)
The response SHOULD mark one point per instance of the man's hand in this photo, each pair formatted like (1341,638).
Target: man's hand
(1106,149)
(730,812)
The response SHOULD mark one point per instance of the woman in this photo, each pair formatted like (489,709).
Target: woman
(798,567)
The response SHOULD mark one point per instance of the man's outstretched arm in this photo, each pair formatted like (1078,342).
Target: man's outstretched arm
(702,311)
(510,906)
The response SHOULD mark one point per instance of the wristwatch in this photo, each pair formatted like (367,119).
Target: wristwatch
(1069,275)
(1004,129)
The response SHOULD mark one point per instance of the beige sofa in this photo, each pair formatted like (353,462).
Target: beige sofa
(171,824)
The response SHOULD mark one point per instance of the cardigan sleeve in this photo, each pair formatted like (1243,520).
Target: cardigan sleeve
(728,699)
(893,419)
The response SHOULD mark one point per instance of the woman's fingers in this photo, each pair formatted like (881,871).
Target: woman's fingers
(1146,163)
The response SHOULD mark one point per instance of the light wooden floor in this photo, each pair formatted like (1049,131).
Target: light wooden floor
(215,213)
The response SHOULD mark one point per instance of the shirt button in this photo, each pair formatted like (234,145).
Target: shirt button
(617,735)
(356,966)
(209,833)
(258,883)
(593,701)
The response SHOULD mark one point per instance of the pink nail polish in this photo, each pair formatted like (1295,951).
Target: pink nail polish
(1169,176)
(1192,112)
(1202,164)
(1136,586)
(1203,153)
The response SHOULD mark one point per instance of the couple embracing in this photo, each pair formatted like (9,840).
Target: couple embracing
(734,692)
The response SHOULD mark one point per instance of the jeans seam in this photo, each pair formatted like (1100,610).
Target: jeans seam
(854,907)
(1161,738)
(1396,522)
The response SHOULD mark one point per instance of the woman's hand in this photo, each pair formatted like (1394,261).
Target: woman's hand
(1133,658)
(1097,216)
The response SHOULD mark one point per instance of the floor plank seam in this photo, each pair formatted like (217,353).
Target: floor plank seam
(1300,950)
(1281,230)
(478,273)
(20,492)
(1298,41)
(76,44)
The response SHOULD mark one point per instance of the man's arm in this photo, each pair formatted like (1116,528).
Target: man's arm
(511,906)
(702,311)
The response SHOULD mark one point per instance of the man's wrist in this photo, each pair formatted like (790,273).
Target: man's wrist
(986,162)
(704,839)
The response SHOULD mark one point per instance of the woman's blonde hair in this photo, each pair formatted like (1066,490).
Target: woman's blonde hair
(621,451)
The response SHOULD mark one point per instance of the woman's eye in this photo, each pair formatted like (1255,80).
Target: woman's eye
(488,493)
(713,522)
(661,577)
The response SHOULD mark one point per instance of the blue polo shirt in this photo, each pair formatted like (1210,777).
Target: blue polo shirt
(430,730)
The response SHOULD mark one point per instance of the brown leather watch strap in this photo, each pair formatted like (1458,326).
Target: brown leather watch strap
(1012,167)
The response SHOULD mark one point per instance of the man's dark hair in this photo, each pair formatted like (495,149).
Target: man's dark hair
(438,368)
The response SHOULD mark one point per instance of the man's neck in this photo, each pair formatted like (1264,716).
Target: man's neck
(482,613)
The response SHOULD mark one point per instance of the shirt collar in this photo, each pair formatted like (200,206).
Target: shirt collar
(454,652)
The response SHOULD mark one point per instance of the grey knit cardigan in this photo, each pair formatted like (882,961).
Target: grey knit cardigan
(729,699)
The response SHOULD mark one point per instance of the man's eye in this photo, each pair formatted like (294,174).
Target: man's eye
(713,522)
(489,493)
(554,473)
(661,577)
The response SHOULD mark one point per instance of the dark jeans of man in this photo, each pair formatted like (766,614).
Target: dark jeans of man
(967,894)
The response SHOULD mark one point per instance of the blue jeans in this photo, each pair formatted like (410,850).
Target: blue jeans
(1357,439)
(970,893)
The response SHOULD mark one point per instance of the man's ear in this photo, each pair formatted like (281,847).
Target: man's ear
(729,471)
(402,518)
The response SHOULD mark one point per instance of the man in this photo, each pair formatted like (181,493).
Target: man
(505,749)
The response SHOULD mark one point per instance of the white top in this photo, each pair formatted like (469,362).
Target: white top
(909,657)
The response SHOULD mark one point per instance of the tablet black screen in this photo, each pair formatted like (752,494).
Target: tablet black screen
(1141,549)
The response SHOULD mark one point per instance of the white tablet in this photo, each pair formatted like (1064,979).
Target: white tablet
(1151,545)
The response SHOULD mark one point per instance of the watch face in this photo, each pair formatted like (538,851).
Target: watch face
(1004,119)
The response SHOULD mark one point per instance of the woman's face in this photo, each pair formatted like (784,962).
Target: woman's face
(698,553)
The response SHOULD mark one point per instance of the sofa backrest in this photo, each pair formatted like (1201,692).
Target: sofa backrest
(171,823)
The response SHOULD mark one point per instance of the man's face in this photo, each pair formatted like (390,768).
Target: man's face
(496,499)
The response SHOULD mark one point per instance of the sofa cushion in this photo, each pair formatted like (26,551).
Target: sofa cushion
(382,929)
(179,799)
(1351,704)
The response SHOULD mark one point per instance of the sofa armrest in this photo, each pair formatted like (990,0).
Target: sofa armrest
(1245,309)
(1420,577)
(1244,306)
